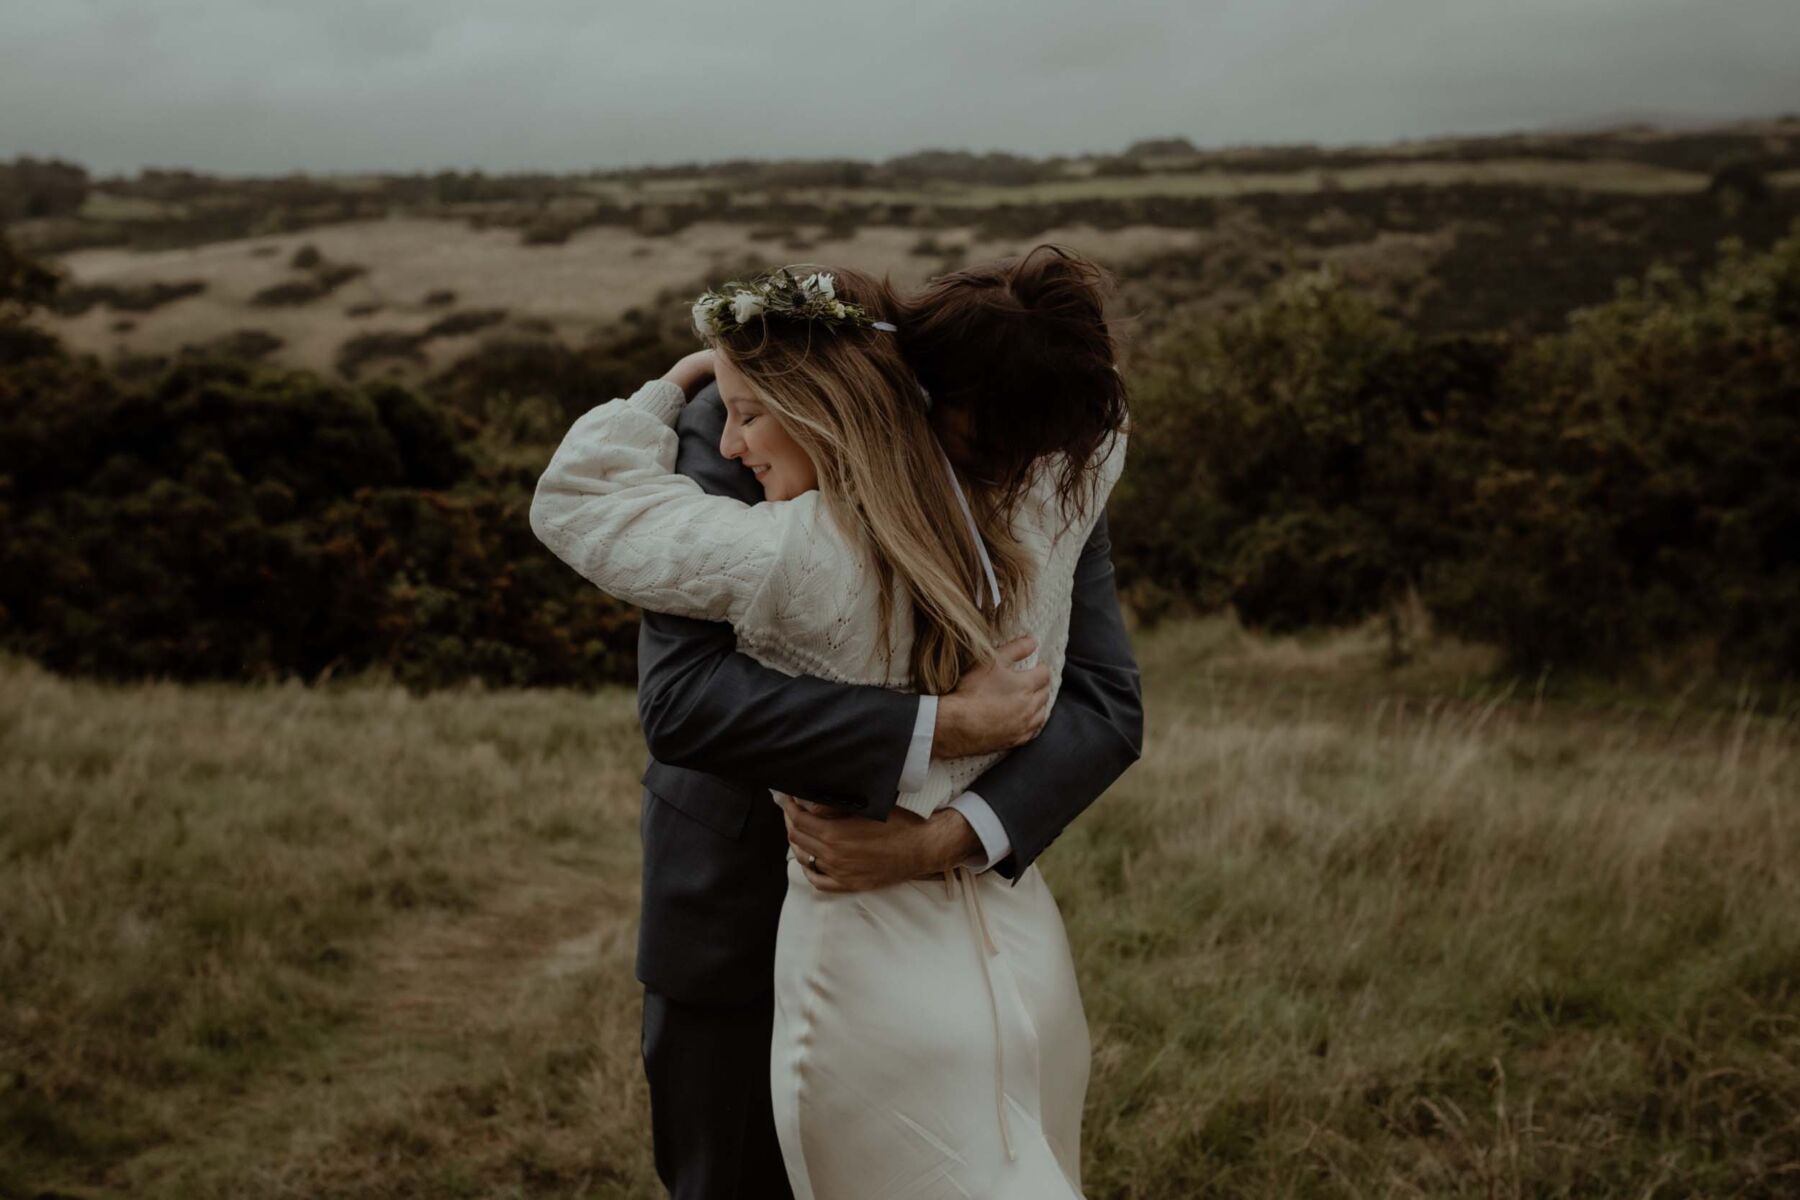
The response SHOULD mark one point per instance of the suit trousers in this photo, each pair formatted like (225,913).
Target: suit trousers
(711,1120)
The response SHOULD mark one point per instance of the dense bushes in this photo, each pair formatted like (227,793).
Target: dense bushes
(32,187)
(1285,459)
(74,299)
(1629,486)
(319,278)
(226,521)
(1640,486)
(25,284)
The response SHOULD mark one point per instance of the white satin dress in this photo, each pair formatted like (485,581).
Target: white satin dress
(929,1041)
(929,1037)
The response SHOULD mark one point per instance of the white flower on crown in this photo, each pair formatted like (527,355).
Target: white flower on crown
(745,305)
(704,323)
(822,283)
(839,309)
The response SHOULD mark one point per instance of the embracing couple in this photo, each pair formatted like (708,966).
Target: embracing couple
(882,667)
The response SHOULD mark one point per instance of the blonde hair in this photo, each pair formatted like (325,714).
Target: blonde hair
(851,402)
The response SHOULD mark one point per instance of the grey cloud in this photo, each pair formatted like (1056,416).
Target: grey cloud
(275,85)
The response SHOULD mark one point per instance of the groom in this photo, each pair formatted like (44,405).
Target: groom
(723,730)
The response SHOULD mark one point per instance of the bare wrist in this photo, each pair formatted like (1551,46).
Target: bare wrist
(953,840)
(947,740)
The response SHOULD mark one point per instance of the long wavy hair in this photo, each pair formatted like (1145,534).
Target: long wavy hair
(850,397)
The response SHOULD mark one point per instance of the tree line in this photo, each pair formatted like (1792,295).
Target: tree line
(1620,488)
(1627,486)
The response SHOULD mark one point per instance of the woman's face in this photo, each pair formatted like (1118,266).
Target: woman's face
(754,437)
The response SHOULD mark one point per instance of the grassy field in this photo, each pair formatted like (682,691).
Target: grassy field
(1342,932)
(1626,177)
(1216,181)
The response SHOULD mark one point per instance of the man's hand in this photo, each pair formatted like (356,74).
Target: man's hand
(854,854)
(995,707)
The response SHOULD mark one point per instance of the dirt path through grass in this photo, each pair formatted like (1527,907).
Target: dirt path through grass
(452,1003)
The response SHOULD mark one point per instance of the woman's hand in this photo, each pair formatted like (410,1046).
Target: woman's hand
(693,372)
(841,852)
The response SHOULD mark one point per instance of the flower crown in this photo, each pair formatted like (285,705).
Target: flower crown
(778,294)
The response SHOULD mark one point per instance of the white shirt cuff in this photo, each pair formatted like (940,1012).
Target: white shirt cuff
(995,845)
(918,755)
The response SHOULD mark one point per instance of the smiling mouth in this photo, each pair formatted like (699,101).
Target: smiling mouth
(759,472)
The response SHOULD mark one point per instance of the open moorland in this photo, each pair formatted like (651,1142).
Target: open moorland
(1343,931)
(402,275)
(1460,536)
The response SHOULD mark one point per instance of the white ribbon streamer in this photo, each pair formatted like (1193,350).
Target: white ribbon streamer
(987,564)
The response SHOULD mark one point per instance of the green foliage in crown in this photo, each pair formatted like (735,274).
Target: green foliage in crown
(778,294)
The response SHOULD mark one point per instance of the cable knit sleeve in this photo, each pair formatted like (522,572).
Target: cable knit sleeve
(612,506)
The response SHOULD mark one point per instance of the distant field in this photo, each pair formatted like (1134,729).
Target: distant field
(1341,933)
(1599,176)
(599,273)
(1397,227)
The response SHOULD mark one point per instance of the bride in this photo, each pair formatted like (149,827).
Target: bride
(929,1036)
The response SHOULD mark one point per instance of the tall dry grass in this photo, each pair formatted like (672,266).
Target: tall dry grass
(282,941)
(1342,932)
(1353,935)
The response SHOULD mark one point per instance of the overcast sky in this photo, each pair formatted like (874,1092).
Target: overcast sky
(268,86)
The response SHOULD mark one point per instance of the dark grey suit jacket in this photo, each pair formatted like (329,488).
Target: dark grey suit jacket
(723,729)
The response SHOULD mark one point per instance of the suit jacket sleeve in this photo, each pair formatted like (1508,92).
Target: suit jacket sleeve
(707,707)
(1095,730)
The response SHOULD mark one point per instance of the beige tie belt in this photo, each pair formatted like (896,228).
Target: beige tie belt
(985,949)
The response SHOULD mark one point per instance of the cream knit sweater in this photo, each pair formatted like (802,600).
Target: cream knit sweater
(798,590)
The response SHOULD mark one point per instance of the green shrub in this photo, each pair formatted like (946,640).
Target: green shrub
(358,352)
(74,299)
(468,321)
(1286,459)
(321,278)
(1743,177)
(226,522)
(490,383)
(25,284)
(1641,483)
(289,292)
(33,188)
(1623,490)
(246,345)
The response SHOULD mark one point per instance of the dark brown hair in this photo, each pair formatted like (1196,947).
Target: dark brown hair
(1020,351)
